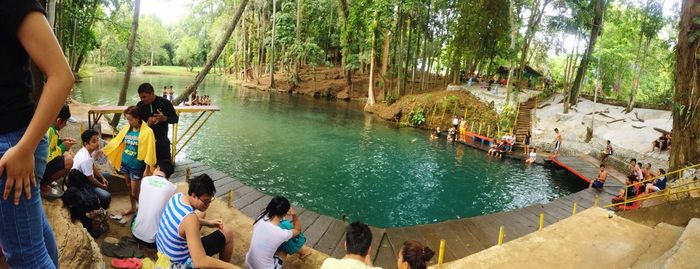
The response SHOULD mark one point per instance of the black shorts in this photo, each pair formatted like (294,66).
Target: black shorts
(55,165)
(214,242)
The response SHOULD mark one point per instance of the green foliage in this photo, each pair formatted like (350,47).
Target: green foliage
(416,117)
(507,118)
(389,99)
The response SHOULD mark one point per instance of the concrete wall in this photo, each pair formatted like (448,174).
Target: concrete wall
(674,212)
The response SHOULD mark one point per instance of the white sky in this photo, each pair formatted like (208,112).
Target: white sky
(168,11)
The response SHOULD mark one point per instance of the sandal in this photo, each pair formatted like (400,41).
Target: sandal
(127,263)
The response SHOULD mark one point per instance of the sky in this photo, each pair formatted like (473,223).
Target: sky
(168,11)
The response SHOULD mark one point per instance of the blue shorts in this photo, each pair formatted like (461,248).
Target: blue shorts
(134,174)
(597,184)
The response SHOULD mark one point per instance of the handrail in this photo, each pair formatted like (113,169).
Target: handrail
(667,174)
(666,192)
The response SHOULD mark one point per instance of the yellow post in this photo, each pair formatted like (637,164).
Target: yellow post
(188,173)
(595,202)
(573,210)
(441,254)
(471,129)
(82,129)
(541,221)
(480,125)
(230,197)
(488,130)
(501,234)
(465,114)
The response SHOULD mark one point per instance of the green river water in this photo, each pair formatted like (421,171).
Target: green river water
(331,157)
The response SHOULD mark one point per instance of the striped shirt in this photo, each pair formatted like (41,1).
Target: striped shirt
(168,240)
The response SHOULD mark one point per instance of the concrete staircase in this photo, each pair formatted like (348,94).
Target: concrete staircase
(523,123)
(595,238)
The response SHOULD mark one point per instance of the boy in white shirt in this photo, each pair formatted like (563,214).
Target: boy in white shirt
(84,161)
(156,191)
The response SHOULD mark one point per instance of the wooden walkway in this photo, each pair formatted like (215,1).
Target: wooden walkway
(324,233)
(463,237)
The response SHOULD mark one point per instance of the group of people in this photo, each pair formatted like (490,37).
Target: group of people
(661,144)
(198,100)
(641,180)
(168,94)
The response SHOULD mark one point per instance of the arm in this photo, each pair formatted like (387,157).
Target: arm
(171,116)
(297,224)
(191,227)
(38,40)
(96,173)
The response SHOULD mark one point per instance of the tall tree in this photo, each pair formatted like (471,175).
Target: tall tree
(272,46)
(370,91)
(532,25)
(214,55)
(651,24)
(686,108)
(598,11)
(129,60)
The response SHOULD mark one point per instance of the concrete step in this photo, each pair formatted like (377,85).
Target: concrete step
(684,253)
(660,240)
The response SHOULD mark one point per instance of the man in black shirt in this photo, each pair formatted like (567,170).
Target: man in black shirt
(158,112)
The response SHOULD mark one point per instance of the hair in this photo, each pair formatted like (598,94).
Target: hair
(277,207)
(171,86)
(146,88)
(165,87)
(166,166)
(132,111)
(358,238)
(415,254)
(649,164)
(87,134)
(633,160)
(556,129)
(662,171)
(534,150)
(201,185)
(528,133)
(602,165)
(608,141)
(640,165)
(64,114)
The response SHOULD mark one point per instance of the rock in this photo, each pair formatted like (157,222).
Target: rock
(343,95)
(76,248)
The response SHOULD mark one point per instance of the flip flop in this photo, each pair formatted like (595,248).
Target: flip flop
(131,245)
(127,263)
(112,250)
(53,194)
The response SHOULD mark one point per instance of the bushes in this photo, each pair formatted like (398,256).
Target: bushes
(416,118)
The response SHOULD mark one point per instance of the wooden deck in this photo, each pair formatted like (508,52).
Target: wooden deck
(463,237)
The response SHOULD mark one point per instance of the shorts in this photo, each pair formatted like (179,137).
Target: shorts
(278,262)
(597,184)
(557,146)
(134,174)
(214,243)
(55,165)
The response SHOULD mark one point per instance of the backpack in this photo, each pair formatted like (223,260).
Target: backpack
(84,204)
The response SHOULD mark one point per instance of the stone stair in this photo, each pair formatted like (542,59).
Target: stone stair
(523,123)
(595,238)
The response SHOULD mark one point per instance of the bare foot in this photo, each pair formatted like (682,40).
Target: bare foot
(128,212)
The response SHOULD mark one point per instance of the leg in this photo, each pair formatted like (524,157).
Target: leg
(25,234)
(104,196)
(227,252)
(133,203)
(163,149)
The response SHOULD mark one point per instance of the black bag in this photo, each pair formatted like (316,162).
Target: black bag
(77,179)
(81,201)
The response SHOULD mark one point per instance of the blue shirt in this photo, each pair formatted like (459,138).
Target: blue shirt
(129,157)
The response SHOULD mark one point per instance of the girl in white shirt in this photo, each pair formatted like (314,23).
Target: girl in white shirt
(533,156)
(268,236)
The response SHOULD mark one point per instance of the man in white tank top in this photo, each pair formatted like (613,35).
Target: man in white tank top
(156,190)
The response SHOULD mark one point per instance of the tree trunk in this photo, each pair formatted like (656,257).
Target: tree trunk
(272,46)
(511,48)
(214,55)
(583,66)
(79,63)
(73,49)
(385,53)
(370,91)
(638,74)
(532,25)
(297,60)
(344,13)
(129,60)
(51,13)
(685,150)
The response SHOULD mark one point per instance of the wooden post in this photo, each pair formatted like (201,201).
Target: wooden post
(541,221)
(595,201)
(441,254)
(230,198)
(573,210)
(188,173)
(501,234)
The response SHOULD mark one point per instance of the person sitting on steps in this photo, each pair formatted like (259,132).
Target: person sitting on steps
(533,156)
(600,179)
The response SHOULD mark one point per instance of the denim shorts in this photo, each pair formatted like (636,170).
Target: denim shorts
(134,174)
(25,235)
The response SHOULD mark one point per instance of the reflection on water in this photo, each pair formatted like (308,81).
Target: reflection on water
(331,157)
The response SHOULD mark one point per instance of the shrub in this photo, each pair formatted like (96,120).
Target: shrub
(416,118)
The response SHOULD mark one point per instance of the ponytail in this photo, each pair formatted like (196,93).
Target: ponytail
(278,207)
(416,255)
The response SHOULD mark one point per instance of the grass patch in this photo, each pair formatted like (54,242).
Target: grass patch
(167,70)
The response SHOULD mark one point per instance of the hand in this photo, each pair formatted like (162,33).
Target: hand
(216,223)
(105,183)
(291,212)
(19,165)
(69,142)
(152,120)
(160,117)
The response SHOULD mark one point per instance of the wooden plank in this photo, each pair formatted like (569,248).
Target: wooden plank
(330,239)
(317,229)
(307,218)
(476,230)
(377,235)
(453,243)
(471,243)
(386,255)
(535,210)
(247,199)
(396,238)
(240,192)
(256,207)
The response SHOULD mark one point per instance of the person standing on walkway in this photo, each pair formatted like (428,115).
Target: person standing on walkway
(158,112)
(557,143)
(25,234)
